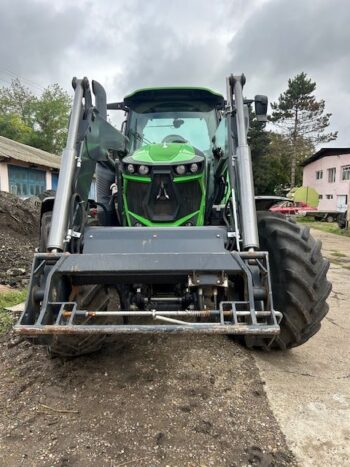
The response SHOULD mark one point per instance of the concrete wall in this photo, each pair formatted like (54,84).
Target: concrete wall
(323,187)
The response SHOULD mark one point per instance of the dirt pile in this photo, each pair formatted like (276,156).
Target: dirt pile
(19,231)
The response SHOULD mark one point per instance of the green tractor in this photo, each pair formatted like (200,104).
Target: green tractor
(179,244)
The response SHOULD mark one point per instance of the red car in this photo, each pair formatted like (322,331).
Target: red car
(291,207)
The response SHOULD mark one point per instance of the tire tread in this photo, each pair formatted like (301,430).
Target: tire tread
(299,279)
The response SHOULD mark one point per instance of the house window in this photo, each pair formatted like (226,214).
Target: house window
(319,174)
(54,181)
(329,196)
(25,181)
(345,172)
(320,196)
(331,175)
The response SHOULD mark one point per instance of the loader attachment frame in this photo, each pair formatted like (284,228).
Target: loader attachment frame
(116,255)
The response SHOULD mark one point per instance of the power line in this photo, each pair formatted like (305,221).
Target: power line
(5,81)
(31,82)
(27,81)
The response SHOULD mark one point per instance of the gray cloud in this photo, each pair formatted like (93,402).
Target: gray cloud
(284,38)
(36,38)
(132,43)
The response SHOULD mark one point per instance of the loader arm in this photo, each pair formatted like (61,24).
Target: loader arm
(240,163)
(90,139)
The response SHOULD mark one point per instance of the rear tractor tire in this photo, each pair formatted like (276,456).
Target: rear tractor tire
(299,284)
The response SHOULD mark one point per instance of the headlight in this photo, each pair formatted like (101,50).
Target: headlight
(180,169)
(131,168)
(194,168)
(143,170)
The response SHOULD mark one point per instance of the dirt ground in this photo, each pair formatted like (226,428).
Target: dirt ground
(309,388)
(180,401)
(141,401)
(174,401)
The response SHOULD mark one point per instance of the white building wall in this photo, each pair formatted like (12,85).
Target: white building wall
(48,180)
(330,191)
(4,177)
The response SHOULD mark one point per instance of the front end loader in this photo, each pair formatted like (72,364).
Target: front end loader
(177,246)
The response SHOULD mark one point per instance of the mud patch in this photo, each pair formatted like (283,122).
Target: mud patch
(141,401)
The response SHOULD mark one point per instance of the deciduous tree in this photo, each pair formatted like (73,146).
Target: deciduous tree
(40,121)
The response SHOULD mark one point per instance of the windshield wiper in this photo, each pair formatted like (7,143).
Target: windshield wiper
(139,137)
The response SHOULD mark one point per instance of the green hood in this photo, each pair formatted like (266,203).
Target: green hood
(169,153)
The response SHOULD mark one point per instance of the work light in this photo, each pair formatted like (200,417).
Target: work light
(180,169)
(143,170)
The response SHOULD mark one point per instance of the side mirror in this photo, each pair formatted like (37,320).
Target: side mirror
(261,108)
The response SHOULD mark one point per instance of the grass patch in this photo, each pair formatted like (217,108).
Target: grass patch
(304,219)
(338,254)
(8,299)
(330,227)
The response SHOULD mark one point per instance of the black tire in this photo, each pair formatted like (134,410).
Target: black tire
(342,220)
(47,194)
(330,218)
(298,276)
(94,297)
(45,225)
(90,298)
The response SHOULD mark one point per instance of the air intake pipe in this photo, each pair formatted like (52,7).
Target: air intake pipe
(105,174)
(100,99)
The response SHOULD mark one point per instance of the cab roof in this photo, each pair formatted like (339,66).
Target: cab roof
(174,98)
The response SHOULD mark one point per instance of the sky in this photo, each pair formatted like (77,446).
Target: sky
(128,44)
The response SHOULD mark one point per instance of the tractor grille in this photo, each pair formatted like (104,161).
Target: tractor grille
(135,195)
(162,200)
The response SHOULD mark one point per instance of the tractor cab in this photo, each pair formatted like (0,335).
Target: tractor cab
(173,115)
(170,140)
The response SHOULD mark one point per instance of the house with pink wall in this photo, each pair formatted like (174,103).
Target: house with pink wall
(328,172)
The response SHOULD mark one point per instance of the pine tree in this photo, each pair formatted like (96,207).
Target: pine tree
(301,119)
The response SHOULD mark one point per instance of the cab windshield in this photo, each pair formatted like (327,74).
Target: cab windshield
(194,128)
